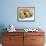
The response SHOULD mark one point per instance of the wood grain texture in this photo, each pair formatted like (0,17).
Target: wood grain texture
(13,39)
(34,39)
(23,39)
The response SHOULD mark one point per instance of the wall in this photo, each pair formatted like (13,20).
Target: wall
(8,13)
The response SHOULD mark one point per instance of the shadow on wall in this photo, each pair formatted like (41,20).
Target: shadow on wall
(2,26)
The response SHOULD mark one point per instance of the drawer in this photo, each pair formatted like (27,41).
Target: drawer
(37,39)
(37,44)
(8,44)
(34,33)
(12,44)
(12,39)
(13,33)
(33,40)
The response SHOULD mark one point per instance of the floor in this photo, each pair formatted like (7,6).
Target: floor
(1,45)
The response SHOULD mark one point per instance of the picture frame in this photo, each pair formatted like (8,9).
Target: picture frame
(25,14)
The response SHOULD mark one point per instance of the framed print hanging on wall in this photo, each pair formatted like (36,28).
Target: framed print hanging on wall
(26,14)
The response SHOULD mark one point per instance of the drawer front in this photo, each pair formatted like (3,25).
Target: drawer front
(37,45)
(33,39)
(37,39)
(34,33)
(12,45)
(13,33)
(13,40)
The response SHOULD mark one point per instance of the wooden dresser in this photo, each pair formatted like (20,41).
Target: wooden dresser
(23,39)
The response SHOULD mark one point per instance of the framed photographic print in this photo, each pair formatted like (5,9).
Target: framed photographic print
(26,14)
